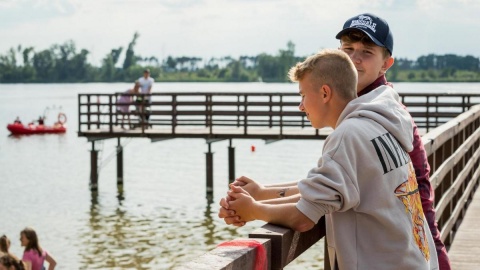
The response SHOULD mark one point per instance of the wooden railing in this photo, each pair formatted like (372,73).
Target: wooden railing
(208,115)
(453,151)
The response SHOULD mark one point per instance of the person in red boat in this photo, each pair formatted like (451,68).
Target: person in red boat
(17,121)
(41,120)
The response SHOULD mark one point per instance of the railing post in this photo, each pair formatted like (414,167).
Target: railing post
(209,172)
(210,114)
(88,111)
(174,113)
(93,168)
(271,110)
(245,114)
(238,109)
(79,112)
(427,115)
(206,110)
(98,111)
(281,115)
(142,114)
(119,162)
(231,162)
(110,108)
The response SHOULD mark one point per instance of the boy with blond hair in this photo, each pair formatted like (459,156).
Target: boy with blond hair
(373,211)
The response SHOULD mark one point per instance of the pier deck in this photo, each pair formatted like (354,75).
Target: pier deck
(464,252)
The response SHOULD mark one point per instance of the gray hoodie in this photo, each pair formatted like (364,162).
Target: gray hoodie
(365,186)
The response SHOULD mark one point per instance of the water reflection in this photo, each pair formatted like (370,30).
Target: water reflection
(208,223)
(114,238)
(120,196)
(126,236)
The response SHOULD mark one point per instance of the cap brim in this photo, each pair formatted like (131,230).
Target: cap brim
(346,30)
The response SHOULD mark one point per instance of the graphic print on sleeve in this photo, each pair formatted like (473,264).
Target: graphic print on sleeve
(390,153)
(408,193)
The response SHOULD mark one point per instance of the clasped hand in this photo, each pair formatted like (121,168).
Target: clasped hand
(237,208)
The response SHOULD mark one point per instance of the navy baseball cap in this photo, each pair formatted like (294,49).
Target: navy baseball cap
(374,27)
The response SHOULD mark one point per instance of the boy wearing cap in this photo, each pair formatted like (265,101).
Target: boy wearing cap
(373,212)
(368,41)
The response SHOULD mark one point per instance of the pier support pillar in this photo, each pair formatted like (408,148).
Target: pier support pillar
(231,163)
(119,163)
(93,168)
(209,156)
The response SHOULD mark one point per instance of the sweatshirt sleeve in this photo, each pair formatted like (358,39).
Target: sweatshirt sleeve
(328,188)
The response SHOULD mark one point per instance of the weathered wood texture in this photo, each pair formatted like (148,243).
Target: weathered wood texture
(453,151)
(249,115)
(230,257)
(464,252)
(288,244)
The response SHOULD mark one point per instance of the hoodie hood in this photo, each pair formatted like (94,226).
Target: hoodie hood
(383,106)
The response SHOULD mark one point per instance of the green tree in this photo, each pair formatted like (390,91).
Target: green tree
(130,59)
(109,72)
(286,60)
(28,72)
(44,64)
(268,67)
(8,67)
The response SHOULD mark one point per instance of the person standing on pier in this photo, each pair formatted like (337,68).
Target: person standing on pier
(368,40)
(364,183)
(123,104)
(146,83)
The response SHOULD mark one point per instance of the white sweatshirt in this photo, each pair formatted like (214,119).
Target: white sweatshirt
(365,186)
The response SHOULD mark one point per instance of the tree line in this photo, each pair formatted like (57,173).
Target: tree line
(63,63)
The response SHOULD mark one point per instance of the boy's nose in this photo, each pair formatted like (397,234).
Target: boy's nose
(300,107)
(355,56)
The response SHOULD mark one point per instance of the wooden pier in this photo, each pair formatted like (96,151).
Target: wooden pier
(227,116)
(453,148)
(464,252)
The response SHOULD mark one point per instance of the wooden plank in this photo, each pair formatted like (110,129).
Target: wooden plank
(230,257)
(288,244)
(464,253)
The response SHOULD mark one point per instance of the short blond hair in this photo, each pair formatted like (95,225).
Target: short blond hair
(331,67)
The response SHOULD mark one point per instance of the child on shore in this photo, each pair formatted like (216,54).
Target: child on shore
(34,255)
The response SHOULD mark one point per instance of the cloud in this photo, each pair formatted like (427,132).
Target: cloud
(214,28)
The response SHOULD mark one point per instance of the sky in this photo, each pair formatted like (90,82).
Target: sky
(217,28)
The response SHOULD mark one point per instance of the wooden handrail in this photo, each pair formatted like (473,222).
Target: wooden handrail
(97,112)
(463,132)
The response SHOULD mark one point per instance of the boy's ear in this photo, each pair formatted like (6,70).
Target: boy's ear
(388,63)
(326,93)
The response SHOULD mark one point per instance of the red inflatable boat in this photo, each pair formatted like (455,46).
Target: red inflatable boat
(18,129)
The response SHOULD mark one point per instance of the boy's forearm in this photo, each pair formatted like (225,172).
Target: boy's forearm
(286,214)
(294,198)
(278,192)
(288,184)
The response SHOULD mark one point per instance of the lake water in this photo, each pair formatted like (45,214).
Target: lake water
(161,218)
